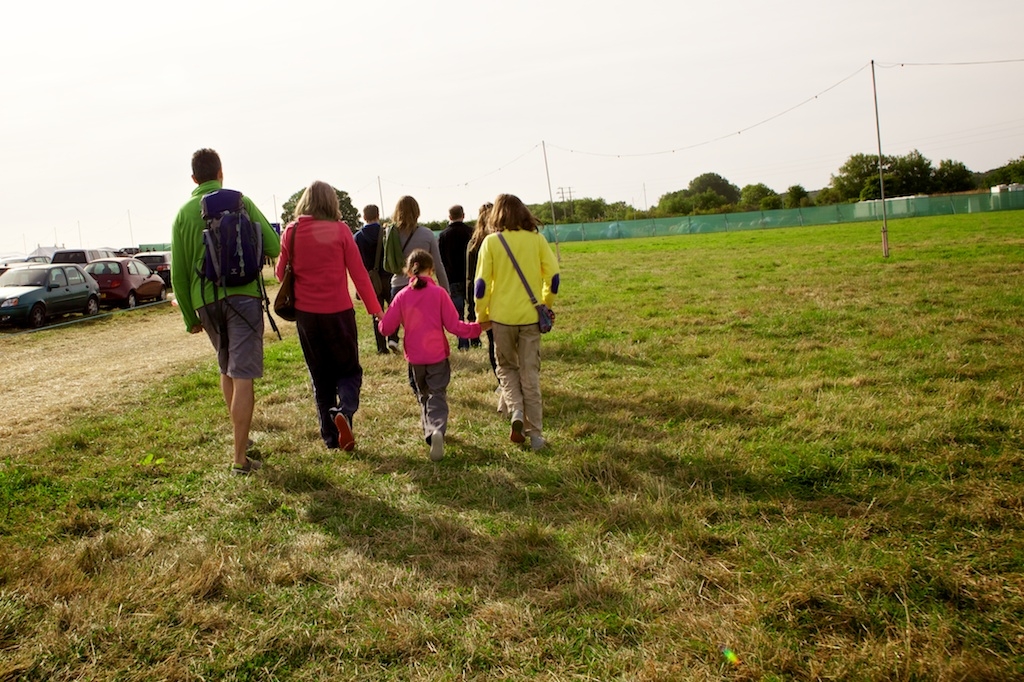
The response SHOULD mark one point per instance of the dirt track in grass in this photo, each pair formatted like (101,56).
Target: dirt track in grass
(54,374)
(50,376)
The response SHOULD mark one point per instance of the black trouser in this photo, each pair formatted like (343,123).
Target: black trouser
(471,316)
(458,292)
(385,301)
(331,347)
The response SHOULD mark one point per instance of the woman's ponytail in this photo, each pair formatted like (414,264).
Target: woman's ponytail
(417,262)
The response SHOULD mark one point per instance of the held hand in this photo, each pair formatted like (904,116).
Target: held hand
(195,329)
(484,326)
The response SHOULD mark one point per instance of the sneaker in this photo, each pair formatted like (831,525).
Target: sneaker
(537,442)
(517,427)
(250,466)
(346,441)
(436,446)
(393,346)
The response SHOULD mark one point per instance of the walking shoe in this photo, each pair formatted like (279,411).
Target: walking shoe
(537,442)
(517,427)
(346,441)
(250,466)
(393,346)
(436,446)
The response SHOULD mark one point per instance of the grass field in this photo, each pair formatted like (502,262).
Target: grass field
(774,455)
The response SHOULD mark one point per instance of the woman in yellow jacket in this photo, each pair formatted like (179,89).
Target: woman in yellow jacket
(503,305)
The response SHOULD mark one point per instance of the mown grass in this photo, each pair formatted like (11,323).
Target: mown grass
(774,442)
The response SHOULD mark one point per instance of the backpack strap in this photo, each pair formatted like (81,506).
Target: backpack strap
(522,277)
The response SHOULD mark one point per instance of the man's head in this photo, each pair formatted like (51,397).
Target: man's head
(455,214)
(206,166)
(371,214)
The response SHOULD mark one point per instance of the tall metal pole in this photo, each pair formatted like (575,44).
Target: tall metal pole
(380,193)
(131,235)
(551,198)
(881,179)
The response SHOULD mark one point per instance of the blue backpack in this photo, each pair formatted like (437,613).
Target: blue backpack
(234,250)
(234,244)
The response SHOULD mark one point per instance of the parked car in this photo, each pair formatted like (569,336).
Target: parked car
(37,259)
(10,263)
(126,281)
(80,256)
(159,262)
(34,292)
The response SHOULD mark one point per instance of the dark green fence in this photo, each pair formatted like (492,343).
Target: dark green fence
(906,207)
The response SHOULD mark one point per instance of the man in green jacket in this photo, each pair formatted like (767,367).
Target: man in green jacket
(231,317)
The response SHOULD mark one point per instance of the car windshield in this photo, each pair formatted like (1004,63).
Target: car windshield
(23,277)
(103,268)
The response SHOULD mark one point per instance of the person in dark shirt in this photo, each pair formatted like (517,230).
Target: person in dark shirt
(452,243)
(366,240)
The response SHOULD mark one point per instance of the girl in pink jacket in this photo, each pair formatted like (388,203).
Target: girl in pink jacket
(426,311)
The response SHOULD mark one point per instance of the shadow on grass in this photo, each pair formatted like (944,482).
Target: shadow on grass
(529,556)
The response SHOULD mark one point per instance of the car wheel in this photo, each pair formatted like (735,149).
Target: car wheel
(132,301)
(162,296)
(93,306)
(37,316)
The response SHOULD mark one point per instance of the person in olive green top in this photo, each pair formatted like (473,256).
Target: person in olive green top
(232,317)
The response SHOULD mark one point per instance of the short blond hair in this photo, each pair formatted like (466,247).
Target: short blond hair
(320,201)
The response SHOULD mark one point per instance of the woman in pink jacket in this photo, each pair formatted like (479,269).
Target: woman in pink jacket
(426,311)
(323,255)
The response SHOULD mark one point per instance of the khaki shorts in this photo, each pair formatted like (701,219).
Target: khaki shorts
(238,322)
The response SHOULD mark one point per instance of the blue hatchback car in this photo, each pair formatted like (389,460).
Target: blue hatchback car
(31,294)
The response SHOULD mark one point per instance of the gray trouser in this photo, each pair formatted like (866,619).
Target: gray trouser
(517,351)
(430,384)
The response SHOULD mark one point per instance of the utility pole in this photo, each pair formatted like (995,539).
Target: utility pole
(551,199)
(881,177)
(562,191)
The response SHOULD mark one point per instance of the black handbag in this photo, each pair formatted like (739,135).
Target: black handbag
(284,302)
(545,315)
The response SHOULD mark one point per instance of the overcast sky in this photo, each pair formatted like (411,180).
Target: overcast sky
(450,101)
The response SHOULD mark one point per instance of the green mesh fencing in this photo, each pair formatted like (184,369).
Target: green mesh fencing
(905,207)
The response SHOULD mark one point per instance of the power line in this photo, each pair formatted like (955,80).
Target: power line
(711,140)
(468,182)
(899,64)
(723,137)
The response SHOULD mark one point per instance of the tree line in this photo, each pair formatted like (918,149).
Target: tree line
(856,180)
